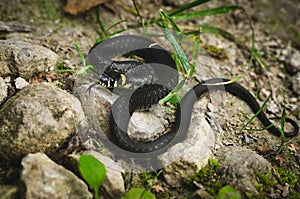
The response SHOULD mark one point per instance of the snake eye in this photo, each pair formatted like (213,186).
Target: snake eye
(112,79)
(107,81)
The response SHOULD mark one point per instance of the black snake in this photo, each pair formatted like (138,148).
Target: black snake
(161,78)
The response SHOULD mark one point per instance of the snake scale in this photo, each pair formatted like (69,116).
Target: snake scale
(162,79)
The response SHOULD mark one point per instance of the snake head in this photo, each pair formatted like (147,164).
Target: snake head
(112,79)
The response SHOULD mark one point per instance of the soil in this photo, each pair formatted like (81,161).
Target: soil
(276,25)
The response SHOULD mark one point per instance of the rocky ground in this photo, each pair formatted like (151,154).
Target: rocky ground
(41,119)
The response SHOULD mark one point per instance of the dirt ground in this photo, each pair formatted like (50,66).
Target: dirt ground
(276,25)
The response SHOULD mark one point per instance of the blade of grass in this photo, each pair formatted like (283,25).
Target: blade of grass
(102,32)
(179,52)
(254,53)
(255,115)
(80,55)
(138,13)
(85,67)
(63,70)
(208,12)
(261,129)
(166,19)
(216,30)
(281,129)
(173,92)
(115,33)
(224,83)
(115,24)
(188,6)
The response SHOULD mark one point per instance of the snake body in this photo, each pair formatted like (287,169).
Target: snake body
(163,77)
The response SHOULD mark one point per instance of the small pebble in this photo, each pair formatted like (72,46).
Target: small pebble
(20,83)
(264,93)
(293,100)
(272,107)
(248,139)
(228,142)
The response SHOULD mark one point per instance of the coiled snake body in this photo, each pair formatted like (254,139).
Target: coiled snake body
(161,78)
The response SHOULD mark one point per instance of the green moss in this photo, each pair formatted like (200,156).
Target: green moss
(147,179)
(267,182)
(284,176)
(264,185)
(48,9)
(209,177)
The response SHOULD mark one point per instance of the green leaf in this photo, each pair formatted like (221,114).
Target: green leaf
(93,171)
(227,192)
(203,13)
(138,193)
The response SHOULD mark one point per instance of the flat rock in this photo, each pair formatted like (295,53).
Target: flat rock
(40,118)
(185,158)
(43,178)
(240,167)
(20,58)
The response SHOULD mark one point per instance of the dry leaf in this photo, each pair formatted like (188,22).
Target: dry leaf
(292,148)
(284,189)
(51,76)
(265,148)
(157,188)
(36,79)
(75,7)
(280,158)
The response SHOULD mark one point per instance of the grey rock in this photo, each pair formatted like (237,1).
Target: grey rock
(8,192)
(96,104)
(177,173)
(296,83)
(184,159)
(20,58)
(40,118)
(240,167)
(3,90)
(144,126)
(45,179)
